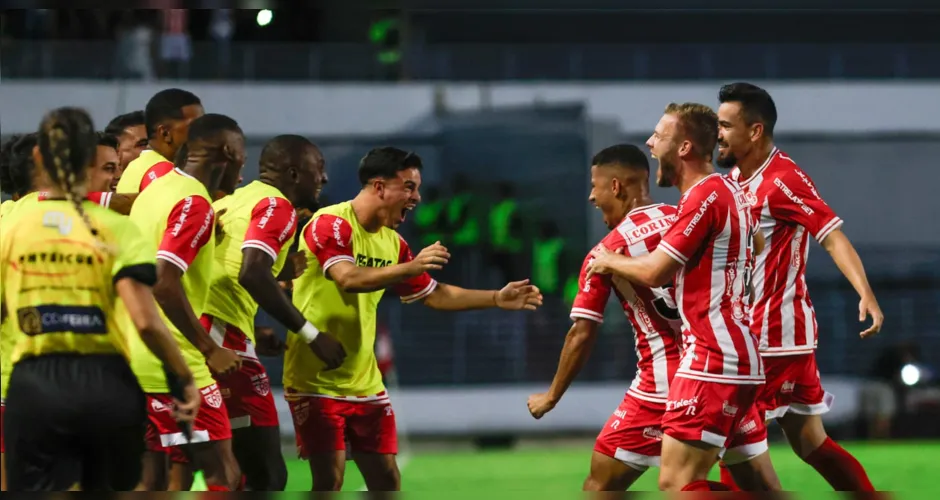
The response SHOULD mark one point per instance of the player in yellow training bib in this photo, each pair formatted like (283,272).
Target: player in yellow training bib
(260,221)
(353,254)
(175,214)
(76,412)
(168,116)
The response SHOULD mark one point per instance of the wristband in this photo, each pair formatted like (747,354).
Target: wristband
(309,332)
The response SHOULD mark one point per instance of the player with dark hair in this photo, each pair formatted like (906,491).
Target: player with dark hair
(631,440)
(260,222)
(354,254)
(167,118)
(101,174)
(176,214)
(132,137)
(76,414)
(790,210)
(16,166)
(709,251)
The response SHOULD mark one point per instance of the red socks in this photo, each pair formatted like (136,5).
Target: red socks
(726,478)
(214,487)
(703,485)
(838,467)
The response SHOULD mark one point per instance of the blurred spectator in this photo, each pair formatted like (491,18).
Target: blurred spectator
(135,47)
(463,233)
(222,29)
(547,259)
(175,44)
(884,391)
(429,217)
(505,231)
(38,23)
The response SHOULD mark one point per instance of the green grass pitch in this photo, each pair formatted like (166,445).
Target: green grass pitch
(558,471)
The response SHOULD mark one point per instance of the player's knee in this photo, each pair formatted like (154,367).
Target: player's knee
(232,475)
(669,481)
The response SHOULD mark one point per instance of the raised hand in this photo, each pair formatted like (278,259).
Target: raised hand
(518,295)
(868,306)
(431,258)
(602,261)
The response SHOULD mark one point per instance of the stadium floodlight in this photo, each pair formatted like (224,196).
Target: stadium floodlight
(910,375)
(264,17)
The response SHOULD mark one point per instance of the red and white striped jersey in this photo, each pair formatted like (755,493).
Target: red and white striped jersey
(652,311)
(790,211)
(713,238)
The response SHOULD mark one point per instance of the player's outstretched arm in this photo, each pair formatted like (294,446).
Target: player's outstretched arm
(848,261)
(358,279)
(171,297)
(256,277)
(515,296)
(652,270)
(577,349)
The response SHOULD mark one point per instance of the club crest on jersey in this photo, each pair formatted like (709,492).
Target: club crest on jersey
(261,384)
(212,396)
(751,198)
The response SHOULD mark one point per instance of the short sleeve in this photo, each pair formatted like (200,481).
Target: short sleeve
(102,198)
(592,295)
(694,224)
(189,227)
(415,288)
(155,172)
(329,238)
(794,198)
(272,225)
(136,257)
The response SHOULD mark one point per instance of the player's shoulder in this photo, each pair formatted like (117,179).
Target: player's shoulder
(708,188)
(333,222)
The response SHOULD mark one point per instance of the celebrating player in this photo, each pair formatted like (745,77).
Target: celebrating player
(710,250)
(790,211)
(259,221)
(132,139)
(168,116)
(354,253)
(631,440)
(76,412)
(176,213)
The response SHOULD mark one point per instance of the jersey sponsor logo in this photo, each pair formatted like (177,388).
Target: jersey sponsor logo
(202,230)
(653,433)
(701,213)
(650,228)
(58,220)
(337,224)
(681,403)
(620,413)
(158,407)
(366,261)
(289,227)
(45,259)
(809,184)
(178,226)
(742,200)
(268,213)
(212,396)
(787,387)
(261,384)
(751,198)
(793,197)
(60,319)
(729,409)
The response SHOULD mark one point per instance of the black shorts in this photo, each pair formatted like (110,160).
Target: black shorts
(71,420)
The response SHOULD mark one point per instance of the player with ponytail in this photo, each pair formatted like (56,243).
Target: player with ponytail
(75,412)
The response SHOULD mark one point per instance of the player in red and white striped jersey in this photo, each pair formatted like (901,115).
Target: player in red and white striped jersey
(709,249)
(631,439)
(790,212)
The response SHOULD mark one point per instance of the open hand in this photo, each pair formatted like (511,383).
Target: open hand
(602,261)
(868,306)
(518,295)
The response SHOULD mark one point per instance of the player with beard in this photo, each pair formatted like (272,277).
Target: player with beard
(631,440)
(354,254)
(709,250)
(167,117)
(175,211)
(790,212)
(259,222)
(131,133)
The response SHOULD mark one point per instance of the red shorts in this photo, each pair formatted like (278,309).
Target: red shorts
(793,385)
(633,433)
(177,455)
(247,393)
(722,415)
(3,409)
(324,425)
(211,421)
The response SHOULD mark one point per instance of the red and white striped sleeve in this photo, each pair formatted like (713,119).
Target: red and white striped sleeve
(330,239)
(794,198)
(188,228)
(592,295)
(415,288)
(272,225)
(694,223)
